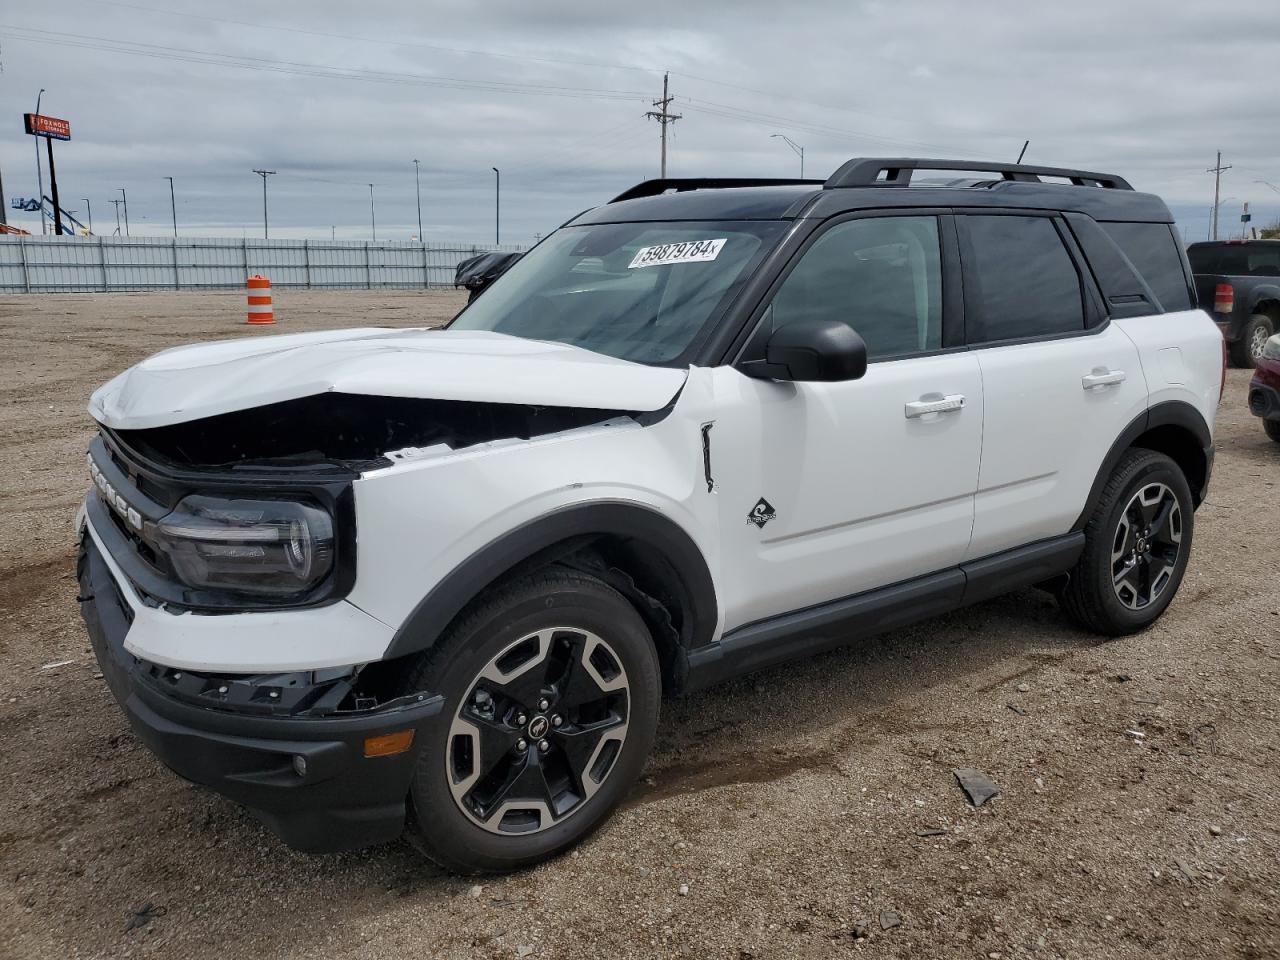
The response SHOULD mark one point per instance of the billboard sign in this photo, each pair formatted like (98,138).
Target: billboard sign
(39,125)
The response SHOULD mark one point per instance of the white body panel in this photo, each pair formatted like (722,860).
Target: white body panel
(864,495)
(1046,433)
(188,383)
(1182,356)
(418,520)
(333,636)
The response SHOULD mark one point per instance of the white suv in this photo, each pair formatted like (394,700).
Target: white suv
(361,579)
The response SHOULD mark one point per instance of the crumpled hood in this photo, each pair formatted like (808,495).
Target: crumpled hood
(203,380)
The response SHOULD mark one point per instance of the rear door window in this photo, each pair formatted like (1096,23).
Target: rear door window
(1153,250)
(1020,281)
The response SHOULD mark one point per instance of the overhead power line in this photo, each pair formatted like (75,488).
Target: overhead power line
(387,41)
(294,68)
(774,94)
(747,115)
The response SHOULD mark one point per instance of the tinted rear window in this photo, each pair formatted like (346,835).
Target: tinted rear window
(1236,259)
(1152,249)
(1026,283)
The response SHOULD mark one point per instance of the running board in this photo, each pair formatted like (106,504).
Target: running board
(838,623)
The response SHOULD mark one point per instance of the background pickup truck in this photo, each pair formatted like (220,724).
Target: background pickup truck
(1238,282)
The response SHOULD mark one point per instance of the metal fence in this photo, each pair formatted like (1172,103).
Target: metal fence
(88,264)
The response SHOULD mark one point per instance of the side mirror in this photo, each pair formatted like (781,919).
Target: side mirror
(821,350)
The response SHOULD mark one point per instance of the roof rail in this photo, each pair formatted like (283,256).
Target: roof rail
(866,171)
(652,188)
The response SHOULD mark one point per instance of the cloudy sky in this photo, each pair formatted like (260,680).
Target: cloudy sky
(336,95)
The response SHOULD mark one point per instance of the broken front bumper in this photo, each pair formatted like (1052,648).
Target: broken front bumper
(333,798)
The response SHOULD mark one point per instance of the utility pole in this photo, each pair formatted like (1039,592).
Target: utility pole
(665,118)
(497,206)
(89,207)
(124,198)
(417,186)
(117,203)
(39,172)
(173,207)
(263,174)
(1217,170)
(373,217)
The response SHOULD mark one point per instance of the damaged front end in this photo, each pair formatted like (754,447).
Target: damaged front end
(253,509)
(345,432)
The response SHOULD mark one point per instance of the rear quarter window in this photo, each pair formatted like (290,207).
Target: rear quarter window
(1153,250)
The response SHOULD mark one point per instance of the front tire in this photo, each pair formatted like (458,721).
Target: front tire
(1273,429)
(1246,351)
(551,688)
(1137,543)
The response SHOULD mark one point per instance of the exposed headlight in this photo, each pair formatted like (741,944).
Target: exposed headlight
(1272,349)
(276,548)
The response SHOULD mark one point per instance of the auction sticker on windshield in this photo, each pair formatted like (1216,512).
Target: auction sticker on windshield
(690,251)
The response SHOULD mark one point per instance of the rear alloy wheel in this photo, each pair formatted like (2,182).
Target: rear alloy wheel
(551,688)
(1247,351)
(1146,545)
(1137,542)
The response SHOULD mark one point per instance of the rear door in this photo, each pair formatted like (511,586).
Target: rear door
(1059,382)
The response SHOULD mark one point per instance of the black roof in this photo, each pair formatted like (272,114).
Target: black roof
(870,183)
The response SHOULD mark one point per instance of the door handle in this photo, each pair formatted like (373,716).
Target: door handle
(1101,377)
(924,407)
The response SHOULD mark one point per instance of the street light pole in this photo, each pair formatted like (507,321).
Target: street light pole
(39,171)
(89,207)
(263,174)
(799,150)
(373,217)
(173,207)
(417,186)
(1213,218)
(125,200)
(497,206)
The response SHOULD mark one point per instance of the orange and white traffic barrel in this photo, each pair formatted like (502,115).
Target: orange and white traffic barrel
(260,300)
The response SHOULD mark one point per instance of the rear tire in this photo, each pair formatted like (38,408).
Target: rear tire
(1246,351)
(1273,429)
(1137,543)
(552,688)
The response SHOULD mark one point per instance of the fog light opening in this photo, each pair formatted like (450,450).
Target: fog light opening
(300,765)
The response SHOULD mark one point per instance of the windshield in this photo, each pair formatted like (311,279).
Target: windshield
(646,292)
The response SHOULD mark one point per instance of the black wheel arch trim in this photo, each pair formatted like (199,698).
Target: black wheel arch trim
(551,537)
(1172,413)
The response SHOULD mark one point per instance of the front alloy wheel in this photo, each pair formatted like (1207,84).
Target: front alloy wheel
(552,685)
(538,732)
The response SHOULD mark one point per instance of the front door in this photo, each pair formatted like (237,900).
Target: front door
(838,488)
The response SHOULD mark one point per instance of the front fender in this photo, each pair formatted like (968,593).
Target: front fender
(627,520)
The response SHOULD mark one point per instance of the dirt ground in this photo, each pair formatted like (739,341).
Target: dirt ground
(804,808)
